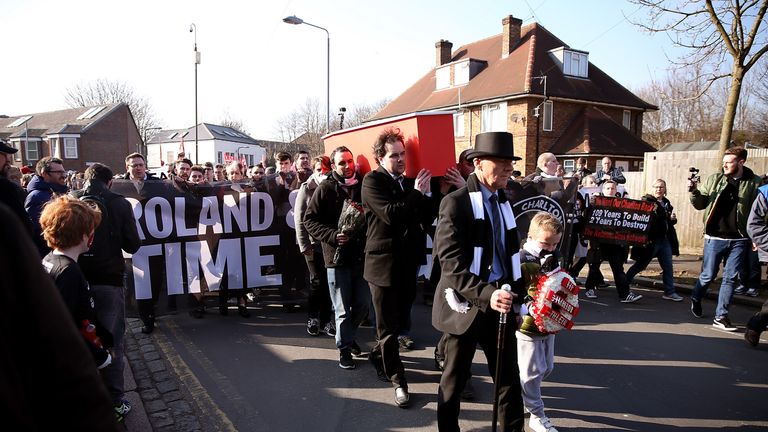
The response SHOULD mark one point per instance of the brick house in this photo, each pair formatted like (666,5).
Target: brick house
(78,136)
(528,82)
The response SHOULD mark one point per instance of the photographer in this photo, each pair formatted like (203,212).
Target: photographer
(726,198)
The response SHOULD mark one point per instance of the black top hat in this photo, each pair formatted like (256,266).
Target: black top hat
(493,144)
(5,148)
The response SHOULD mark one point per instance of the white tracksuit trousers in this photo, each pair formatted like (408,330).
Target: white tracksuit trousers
(536,360)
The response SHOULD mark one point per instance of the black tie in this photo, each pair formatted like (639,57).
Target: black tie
(399,180)
(498,232)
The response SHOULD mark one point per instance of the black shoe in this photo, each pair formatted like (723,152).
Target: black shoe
(345,360)
(243,311)
(313,327)
(723,323)
(378,364)
(752,337)
(149,326)
(197,312)
(696,307)
(402,398)
(355,348)
(439,361)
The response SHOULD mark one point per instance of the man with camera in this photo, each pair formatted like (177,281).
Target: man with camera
(726,198)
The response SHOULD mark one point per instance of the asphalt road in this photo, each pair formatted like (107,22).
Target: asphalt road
(649,366)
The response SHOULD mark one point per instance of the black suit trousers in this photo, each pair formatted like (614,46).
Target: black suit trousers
(459,352)
(393,307)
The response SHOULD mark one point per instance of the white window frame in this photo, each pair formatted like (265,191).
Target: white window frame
(443,77)
(547,109)
(626,119)
(219,157)
(575,64)
(494,117)
(461,73)
(569,165)
(17,155)
(27,149)
(69,148)
(458,124)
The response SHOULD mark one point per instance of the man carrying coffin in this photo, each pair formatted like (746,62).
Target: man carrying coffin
(477,245)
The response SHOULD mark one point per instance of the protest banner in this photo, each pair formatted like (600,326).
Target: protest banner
(620,221)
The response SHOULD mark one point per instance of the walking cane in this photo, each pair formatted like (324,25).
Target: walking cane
(499,357)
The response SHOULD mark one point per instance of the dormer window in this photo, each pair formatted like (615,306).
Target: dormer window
(575,63)
(458,73)
(572,62)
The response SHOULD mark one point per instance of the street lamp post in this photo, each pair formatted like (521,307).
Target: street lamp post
(193,30)
(293,19)
(145,140)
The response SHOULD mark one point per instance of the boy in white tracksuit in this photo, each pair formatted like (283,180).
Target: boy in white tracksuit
(536,350)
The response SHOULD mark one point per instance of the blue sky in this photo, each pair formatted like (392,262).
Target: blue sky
(258,69)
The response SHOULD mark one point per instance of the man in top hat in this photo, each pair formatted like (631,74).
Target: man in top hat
(478,247)
(10,193)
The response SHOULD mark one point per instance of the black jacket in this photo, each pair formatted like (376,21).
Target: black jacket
(321,220)
(107,265)
(458,235)
(396,226)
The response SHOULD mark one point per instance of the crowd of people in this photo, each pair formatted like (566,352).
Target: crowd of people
(367,268)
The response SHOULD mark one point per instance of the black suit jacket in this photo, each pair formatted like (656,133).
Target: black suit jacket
(396,221)
(458,233)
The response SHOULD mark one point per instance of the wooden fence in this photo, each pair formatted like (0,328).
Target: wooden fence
(673,168)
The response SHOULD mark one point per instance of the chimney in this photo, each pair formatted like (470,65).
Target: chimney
(442,52)
(510,34)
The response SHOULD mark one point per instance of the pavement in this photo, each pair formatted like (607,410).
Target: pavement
(154,371)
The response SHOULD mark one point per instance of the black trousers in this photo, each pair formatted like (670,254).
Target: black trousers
(393,307)
(319,300)
(759,321)
(459,352)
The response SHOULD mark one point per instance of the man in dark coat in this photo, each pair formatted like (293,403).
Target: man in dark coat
(397,213)
(104,268)
(478,248)
(50,178)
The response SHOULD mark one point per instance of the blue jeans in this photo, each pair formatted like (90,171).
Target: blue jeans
(351,298)
(661,250)
(732,252)
(110,310)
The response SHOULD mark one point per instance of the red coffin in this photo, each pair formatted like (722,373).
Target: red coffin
(429,142)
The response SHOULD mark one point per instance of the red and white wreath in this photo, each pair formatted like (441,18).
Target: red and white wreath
(556,302)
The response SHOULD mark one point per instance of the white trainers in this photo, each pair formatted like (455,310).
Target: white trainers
(541,424)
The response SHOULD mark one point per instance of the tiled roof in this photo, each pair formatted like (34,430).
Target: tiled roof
(512,76)
(207,132)
(593,132)
(54,122)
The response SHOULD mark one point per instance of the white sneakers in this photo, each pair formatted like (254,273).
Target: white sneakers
(541,424)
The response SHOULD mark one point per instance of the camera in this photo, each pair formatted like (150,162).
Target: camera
(694,178)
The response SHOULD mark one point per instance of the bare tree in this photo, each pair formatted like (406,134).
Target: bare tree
(103,91)
(717,36)
(233,123)
(359,113)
